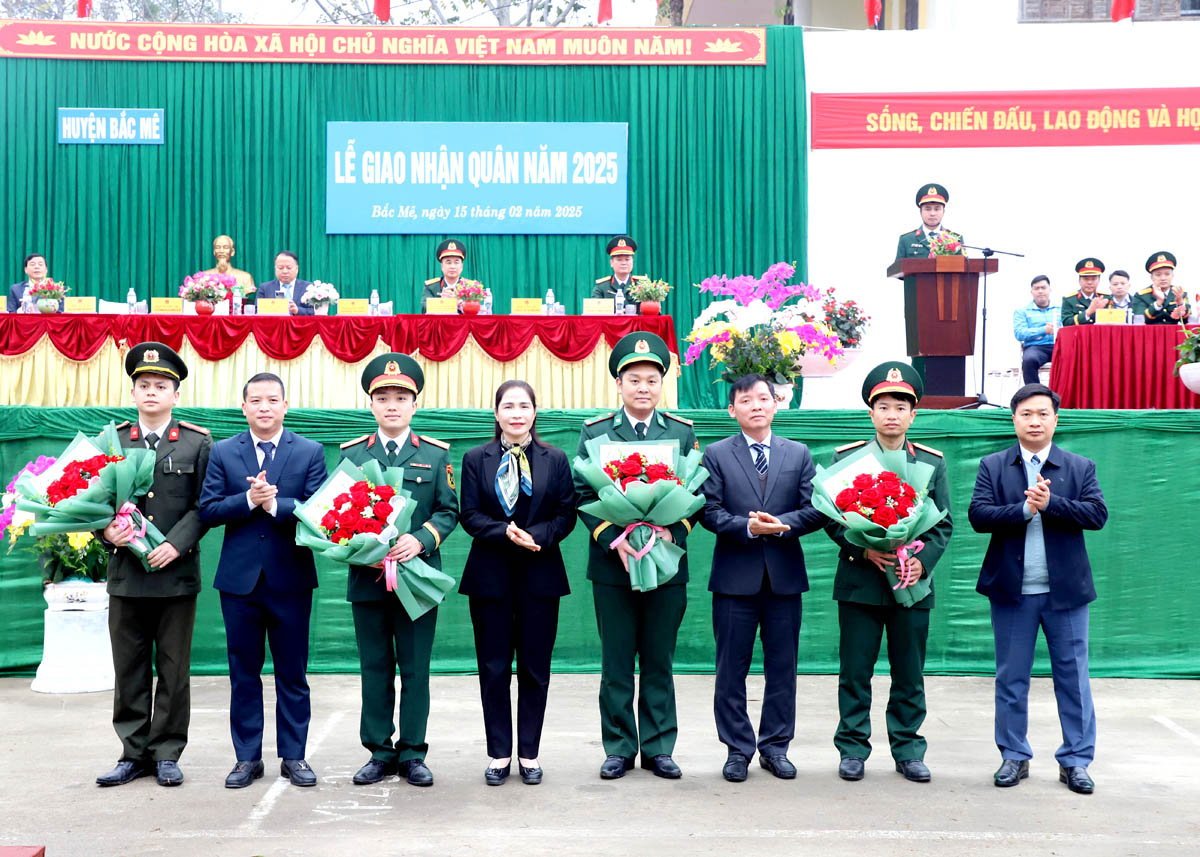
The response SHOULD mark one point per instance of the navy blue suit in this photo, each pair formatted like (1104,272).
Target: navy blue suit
(998,507)
(17,291)
(757,584)
(272,289)
(266,585)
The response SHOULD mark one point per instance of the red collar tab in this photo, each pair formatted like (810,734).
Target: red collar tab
(135,432)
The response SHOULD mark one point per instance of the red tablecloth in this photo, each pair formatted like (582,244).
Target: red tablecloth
(349,338)
(1119,366)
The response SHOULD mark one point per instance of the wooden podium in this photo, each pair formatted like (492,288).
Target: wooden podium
(940,306)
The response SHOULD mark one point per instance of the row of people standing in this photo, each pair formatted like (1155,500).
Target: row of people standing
(518,501)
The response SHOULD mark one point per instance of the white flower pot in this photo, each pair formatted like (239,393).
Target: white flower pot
(783,395)
(76,651)
(816,366)
(1189,374)
(321,309)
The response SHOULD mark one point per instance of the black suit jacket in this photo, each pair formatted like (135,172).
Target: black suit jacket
(733,490)
(998,507)
(272,289)
(495,567)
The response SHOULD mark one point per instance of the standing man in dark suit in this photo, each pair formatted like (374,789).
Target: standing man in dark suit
(636,626)
(253,483)
(285,285)
(388,638)
(867,606)
(931,201)
(151,613)
(758,494)
(1036,499)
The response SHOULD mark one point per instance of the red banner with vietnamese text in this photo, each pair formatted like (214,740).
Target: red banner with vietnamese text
(938,120)
(413,45)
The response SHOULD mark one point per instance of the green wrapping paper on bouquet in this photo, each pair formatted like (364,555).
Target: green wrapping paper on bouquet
(355,518)
(842,492)
(643,487)
(92,482)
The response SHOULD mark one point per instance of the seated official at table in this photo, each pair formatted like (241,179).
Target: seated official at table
(451,255)
(1033,326)
(285,285)
(1118,291)
(621,250)
(1162,302)
(1080,308)
(931,201)
(36,273)
(223,251)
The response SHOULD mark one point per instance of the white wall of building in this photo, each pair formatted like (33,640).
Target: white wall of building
(1055,205)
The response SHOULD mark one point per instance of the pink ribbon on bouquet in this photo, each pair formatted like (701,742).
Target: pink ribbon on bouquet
(126,516)
(654,531)
(389,573)
(903,554)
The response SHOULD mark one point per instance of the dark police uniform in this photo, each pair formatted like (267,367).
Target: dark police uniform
(387,637)
(915,244)
(152,613)
(867,606)
(1074,307)
(636,625)
(1145,303)
(434,285)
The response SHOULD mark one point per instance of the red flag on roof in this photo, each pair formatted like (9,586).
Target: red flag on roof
(1122,9)
(84,8)
(383,10)
(874,9)
(604,13)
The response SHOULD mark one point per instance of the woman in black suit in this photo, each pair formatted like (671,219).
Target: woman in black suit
(518,504)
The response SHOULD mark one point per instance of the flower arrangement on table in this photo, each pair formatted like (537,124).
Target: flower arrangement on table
(1189,348)
(946,243)
(881,498)
(845,318)
(92,482)
(319,294)
(644,289)
(207,286)
(48,290)
(469,291)
(643,487)
(765,326)
(355,518)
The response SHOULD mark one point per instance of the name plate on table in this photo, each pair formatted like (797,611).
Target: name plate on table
(166,306)
(353,306)
(599,306)
(441,306)
(1111,316)
(272,306)
(526,306)
(79,304)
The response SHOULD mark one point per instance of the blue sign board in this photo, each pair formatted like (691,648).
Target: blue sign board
(448,178)
(123,126)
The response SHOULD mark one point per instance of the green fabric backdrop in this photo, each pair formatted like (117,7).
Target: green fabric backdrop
(716,181)
(1142,625)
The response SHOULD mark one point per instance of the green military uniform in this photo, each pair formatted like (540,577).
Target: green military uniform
(152,613)
(867,606)
(1075,307)
(915,244)
(640,626)
(387,638)
(606,286)
(434,285)
(1147,305)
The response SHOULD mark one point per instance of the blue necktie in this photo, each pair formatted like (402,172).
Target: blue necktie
(760,457)
(268,451)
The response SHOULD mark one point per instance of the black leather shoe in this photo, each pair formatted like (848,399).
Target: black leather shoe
(1011,772)
(530,776)
(614,767)
(243,774)
(914,771)
(497,776)
(851,768)
(416,773)
(167,773)
(779,765)
(298,771)
(1077,780)
(737,768)
(663,766)
(374,771)
(125,771)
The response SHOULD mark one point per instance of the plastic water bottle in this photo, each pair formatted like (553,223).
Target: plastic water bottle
(374,302)
(548,303)
(619,302)
(235,306)
(131,301)
(487,302)
(26,302)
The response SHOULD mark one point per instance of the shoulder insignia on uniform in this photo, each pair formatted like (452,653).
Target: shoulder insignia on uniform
(355,442)
(928,449)
(600,280)
(450,476)
(126,424)
(194,427)
(1146,291)
(600,418)
(438,443)
(432,280)
(847,446)
(677,418)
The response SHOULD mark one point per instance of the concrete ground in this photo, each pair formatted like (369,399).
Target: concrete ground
(1147,788)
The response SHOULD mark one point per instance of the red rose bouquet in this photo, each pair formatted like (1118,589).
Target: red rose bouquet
(880,497)
(356,517)
(644,488)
